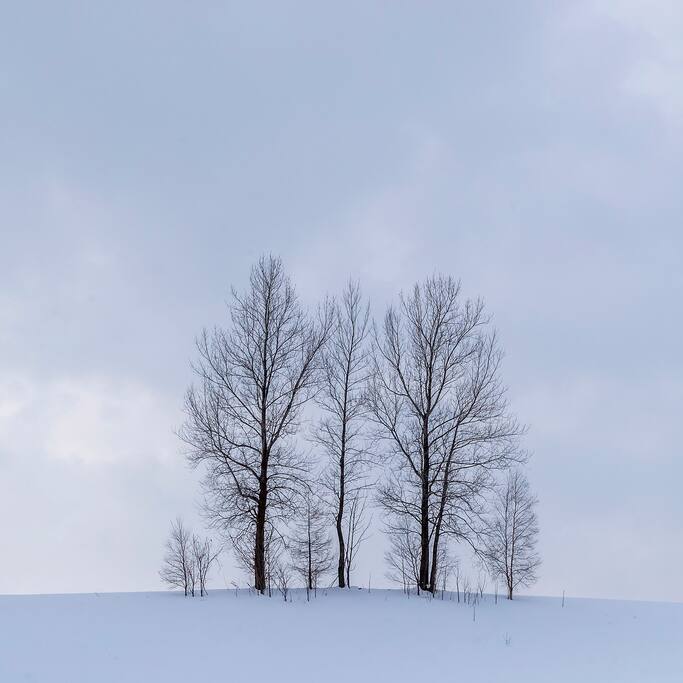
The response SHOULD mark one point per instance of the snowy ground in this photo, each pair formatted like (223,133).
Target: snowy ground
(349,636)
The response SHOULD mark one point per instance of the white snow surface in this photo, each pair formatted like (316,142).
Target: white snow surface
(342,635)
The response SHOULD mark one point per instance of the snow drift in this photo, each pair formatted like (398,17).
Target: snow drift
(342,635)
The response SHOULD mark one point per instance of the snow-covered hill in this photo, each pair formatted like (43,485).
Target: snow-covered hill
(349,636)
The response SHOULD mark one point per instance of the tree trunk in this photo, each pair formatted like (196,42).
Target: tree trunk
(424,511)
(309,585)
(340,537)
(340,516)
(437,526)
(342,481)
(260,536)
(435,551)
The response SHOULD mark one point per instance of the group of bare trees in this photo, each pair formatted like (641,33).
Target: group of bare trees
(188,560)
(442,415)
(302,421)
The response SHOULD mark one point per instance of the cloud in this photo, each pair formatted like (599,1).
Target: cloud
(90,474)
(605,418)
(656,28)
(380,239)
(89,419)
(601,444)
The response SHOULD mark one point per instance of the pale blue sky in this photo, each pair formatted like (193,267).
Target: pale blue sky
(149,152)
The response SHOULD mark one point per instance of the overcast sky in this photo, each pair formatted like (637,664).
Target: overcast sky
(149,152)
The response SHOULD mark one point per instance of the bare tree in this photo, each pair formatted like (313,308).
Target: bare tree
(243,550)
(448,567)
(357,528)
(457,575)
(177,568)
(512,532)
(275,548)
(192,576)
(403,555)
(203,557)
(340,432)
(481,585)
(441,412)
(253,381)
(282,577)
(310,545)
